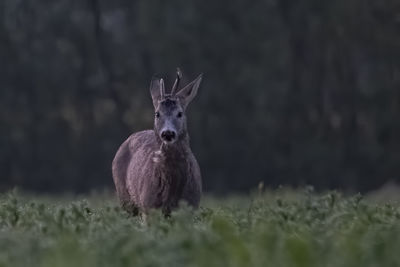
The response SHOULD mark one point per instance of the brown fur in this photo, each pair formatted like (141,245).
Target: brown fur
(150,174)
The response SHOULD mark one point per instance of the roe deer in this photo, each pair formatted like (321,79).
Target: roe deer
(156,168)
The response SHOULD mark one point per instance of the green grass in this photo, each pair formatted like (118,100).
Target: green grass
(270,229)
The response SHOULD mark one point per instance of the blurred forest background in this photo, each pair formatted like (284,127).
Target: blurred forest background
(294,92)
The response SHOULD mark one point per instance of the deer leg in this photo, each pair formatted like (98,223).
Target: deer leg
(144,218)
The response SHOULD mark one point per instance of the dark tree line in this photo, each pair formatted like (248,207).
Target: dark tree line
(295,92)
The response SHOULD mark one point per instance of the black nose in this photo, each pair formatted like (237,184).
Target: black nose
(168,135)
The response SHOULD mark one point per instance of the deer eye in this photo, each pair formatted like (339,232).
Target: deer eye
(157,114)
(179,115)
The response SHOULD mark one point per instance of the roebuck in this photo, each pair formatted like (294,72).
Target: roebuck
(156,168)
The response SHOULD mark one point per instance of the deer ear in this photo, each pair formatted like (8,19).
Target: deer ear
(187,93)
(155,91)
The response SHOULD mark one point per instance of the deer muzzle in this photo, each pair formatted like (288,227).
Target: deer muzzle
(168,136)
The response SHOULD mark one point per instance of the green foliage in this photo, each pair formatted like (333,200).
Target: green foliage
(303,230)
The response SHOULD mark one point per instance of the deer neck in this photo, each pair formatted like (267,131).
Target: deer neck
(172,170)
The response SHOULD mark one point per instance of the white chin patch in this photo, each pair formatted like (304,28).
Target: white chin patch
(168,142)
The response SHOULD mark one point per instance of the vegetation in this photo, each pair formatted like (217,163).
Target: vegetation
(266,229)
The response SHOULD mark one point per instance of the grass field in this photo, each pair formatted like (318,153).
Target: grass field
(277,228)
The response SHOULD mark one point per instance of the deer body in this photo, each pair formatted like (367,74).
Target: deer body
(156,168)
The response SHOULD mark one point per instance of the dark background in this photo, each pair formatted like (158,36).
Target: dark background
(294,92)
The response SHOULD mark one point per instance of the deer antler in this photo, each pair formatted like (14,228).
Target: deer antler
(162,89)
(177,80)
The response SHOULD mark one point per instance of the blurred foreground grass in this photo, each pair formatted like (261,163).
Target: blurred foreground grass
(277,228)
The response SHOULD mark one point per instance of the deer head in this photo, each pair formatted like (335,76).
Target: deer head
(170,119)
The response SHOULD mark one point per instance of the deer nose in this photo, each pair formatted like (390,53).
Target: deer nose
(168,135)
